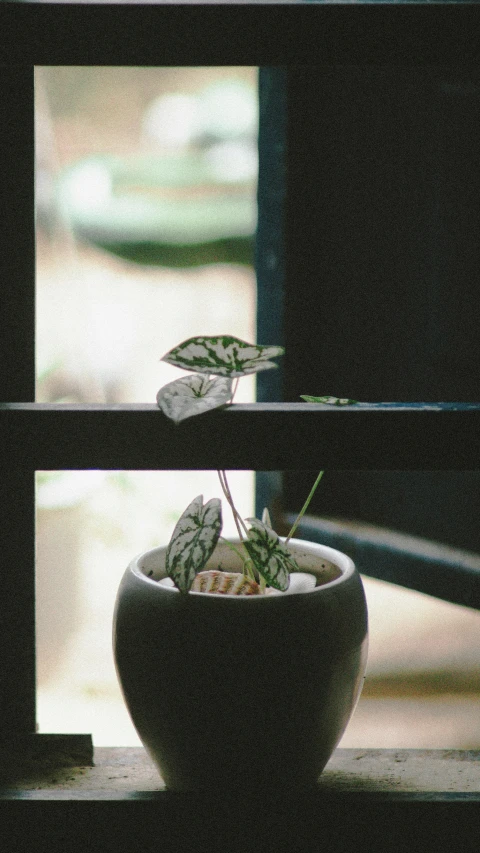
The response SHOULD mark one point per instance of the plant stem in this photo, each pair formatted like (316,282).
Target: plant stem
(234,389)
(222,476)
(304,507)
(246,561)
(239,522)
(233,548)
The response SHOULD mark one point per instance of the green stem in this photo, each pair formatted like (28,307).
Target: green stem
(233,548)
(304,507)
(246,561)
(234,388)
(222,476)
(239,522)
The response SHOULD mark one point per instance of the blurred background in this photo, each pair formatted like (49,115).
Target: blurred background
(146,214)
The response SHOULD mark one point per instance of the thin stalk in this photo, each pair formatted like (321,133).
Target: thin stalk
(234,389)
(239,522)
(233,548)
(246,561)
(304,507)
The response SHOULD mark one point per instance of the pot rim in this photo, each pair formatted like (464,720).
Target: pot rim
(315,550)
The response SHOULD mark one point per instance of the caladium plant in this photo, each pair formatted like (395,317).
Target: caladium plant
(192,395)
(213,363)
(193,541)
(270,557)
(222,356)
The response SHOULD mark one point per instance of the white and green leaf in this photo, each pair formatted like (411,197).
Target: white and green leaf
(266,520)
(328,401)
(222,355)
(193,541)
(270,557)
(193,395)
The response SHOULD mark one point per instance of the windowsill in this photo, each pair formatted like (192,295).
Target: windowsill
(383,801)
(371,774)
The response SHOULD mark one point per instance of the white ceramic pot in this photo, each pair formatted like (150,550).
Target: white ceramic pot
(232,693)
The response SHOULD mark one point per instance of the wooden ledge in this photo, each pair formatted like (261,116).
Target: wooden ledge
(387,774)
(383,801)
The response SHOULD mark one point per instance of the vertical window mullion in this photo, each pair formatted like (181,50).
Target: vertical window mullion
(17,233)
(270,238)
(17,384)
(270,247)
(17,607)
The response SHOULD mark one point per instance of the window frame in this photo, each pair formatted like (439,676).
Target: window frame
(34,436)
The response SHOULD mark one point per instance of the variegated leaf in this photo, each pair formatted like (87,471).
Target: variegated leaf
(192,395)
(270,556)
(329,401)
(266,520)
(193,541)
(222,356)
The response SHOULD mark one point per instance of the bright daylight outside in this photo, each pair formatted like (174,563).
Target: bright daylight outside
(146,212)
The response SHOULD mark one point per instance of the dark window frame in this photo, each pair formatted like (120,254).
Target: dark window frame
(42,437)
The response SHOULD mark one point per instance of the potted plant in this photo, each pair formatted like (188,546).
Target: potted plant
(241,660)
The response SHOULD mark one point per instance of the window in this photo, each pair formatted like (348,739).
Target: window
(133,165)
(51,437)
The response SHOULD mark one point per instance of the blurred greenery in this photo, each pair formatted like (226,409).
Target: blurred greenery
(232,250)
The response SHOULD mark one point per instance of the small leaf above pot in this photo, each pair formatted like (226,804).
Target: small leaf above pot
(193,541)
(270,557)
(193,395)
(222,355)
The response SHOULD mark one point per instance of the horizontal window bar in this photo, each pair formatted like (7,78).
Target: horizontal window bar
(45,34)
(257,436)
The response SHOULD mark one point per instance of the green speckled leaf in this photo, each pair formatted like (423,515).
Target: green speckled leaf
(222,356)
(266,520)
(193,541)
(329,401)
(270,556)
(193,395)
